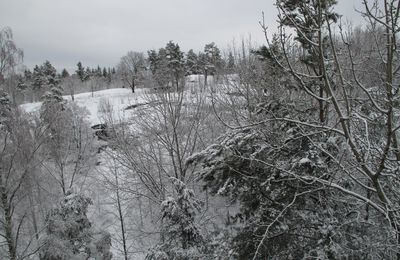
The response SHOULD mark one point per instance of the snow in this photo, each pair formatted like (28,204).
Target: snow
(118,98)
(304,161)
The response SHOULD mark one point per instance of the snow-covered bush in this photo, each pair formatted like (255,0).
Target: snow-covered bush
(181,236)
(70,235)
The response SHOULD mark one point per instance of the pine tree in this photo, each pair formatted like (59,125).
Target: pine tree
(98,71)
(192,63)
(182,237)
(64,73)
(153,59)
(70,235)
(175,63)
(210,60)
(308,19)
(44,77)
(80,71)
(109,75)
(88,73)
(5,108)
(230,65)
(53,102)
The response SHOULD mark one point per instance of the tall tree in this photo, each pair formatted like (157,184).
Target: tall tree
(64,73)
(131,67)
(80,71)
(309,19)
(175,63)
(20,143)
(192,63)
(10,54)
(210,60)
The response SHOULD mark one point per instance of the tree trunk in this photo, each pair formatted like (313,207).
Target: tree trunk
(321,105)
(12,251)
(121,218)
(133,86)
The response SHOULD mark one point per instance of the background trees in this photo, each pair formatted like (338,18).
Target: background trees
(167,66)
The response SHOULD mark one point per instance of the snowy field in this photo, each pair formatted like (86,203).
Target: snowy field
(118,98)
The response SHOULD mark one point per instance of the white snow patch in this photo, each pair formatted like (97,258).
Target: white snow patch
(118,98)
(304,161)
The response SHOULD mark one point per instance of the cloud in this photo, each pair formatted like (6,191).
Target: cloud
(101,31)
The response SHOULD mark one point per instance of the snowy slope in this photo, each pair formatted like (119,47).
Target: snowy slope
(118,98)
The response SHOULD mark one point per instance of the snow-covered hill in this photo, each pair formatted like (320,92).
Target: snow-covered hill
(118,98)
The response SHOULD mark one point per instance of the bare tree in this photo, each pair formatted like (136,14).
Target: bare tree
(131,67)
(10,55)
(70,84)
(20,149)
(70,146)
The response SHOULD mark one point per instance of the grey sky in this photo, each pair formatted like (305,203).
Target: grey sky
(101,31)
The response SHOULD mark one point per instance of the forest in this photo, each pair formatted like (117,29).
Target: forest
(286,149)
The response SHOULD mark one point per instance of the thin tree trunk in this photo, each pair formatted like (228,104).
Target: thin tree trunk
(321,105)
(12,251)
(133,86)
(121,217)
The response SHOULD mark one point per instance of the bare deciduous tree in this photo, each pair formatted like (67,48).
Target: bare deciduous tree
(131,68)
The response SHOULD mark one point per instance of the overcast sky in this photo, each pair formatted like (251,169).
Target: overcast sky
(101,31)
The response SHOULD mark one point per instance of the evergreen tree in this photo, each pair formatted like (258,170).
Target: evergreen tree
(109,75)
(153,59)
(308,19)
(5,108)
(192,63)
(80,71)
(247,168)
(70,235)
(173,58)
(53,102)
(27,74)
(98,71)
(230,65)
(45,77)
(64,73)
(88,73)
(182,238)
(210,60)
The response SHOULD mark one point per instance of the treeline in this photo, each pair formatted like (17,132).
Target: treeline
(133,69)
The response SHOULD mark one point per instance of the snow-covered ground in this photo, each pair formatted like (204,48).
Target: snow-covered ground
(118,98)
